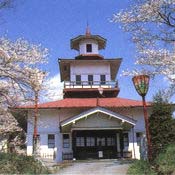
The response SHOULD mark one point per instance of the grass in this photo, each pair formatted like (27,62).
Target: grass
(166,161)
(164,164)
(20,164)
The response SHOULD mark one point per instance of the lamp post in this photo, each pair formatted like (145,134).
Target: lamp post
(141,84)
(36,81)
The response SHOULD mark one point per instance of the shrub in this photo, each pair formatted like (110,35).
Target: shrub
(19,164)
(141,167)
(161,125)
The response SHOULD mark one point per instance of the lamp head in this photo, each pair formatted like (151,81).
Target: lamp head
(141,84)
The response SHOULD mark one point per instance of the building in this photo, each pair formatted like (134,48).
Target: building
(90,121)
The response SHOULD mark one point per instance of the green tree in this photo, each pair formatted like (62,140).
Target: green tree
(162,125)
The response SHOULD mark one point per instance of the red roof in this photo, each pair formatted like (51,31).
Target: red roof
(89,102)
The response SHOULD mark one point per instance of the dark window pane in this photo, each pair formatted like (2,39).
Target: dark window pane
(125,139)
(90,141)
(80,141)
(51,141)
(100,141)
(103,79)
(90,79)
(78,79)
(110,141)
(66,141)
(88,47)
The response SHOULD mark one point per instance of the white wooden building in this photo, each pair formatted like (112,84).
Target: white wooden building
(90,121)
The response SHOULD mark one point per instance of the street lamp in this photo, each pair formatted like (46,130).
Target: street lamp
(141,84)
(36,82)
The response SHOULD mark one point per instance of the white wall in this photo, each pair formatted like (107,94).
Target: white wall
(85,69)
(82,47)
(48,123)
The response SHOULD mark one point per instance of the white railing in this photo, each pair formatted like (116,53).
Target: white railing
(90,84)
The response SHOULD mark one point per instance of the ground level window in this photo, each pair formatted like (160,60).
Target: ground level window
(51,141)
(138,137)
(110,141)
(66,141)
(101,141)
(90,141)
(125,139)
(80,141)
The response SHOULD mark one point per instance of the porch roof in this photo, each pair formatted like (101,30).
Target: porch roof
(89,103)
(96,110)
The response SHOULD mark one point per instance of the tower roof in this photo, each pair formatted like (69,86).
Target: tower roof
(100,40)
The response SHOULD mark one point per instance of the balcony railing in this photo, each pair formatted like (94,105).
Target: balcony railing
(90,84)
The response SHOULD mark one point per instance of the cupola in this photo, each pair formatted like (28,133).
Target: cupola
(88,45)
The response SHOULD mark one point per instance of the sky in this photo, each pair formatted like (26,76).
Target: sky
(52,23)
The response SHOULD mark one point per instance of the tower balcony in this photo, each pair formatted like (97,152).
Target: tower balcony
(90,89)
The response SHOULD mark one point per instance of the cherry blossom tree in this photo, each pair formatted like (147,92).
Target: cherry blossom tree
(19,65)
(151,25)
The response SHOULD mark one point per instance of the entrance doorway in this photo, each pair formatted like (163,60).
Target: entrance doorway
(94,144)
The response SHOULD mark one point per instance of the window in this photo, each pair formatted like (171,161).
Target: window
(125,139)
(110,141)
(102,79)
(138,137)
(51,141)
(90,79)
(80,141)
(90,141)
(78,79)
(88,47)
(66,141)
(101,141)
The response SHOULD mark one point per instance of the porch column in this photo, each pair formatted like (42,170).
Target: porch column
(121,143)
(59,143)
(74,143)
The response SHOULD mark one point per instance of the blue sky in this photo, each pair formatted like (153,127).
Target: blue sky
(54,22)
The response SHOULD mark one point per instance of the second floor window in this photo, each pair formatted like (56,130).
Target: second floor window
(88,47)
(102,79)
(90,79)
(78,79)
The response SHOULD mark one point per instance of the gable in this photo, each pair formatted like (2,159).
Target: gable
(102,111)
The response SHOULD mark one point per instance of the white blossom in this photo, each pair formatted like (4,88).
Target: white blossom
(19,73)
(151,24)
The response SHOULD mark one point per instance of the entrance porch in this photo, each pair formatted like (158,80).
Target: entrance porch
(96,144)
(98,134)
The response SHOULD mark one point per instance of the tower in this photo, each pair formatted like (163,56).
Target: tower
(89,74)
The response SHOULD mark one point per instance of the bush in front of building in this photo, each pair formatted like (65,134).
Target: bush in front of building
(161,125)
(163,164)
(166,161)
(141,167)
(11,163)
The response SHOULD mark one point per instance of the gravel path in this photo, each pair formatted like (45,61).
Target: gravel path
(107,167)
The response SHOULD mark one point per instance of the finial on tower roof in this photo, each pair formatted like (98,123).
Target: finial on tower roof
(88,33)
